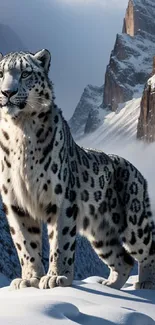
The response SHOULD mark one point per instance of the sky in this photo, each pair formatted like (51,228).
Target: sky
(79,33)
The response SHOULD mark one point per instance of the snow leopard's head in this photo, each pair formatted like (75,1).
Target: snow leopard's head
(24,82)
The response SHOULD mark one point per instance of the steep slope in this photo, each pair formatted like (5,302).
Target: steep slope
(129,66)
(117,127)
(90,100)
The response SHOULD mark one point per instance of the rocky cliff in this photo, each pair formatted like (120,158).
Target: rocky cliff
(129,66)
(130,61)
(85,117)
(139,16)
(146,121)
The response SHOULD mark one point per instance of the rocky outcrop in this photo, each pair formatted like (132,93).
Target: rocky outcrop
(129,25)
(93,120)
(146,121)
(139,16)
(86,110)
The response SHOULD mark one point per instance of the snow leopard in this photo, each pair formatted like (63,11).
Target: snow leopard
(46,177)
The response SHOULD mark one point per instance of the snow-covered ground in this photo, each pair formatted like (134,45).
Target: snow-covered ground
(86,302)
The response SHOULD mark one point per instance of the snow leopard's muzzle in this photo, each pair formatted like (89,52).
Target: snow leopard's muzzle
(12,97)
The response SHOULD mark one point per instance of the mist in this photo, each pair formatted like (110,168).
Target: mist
(79,34)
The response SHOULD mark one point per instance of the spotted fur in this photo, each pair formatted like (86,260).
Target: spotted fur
(47,177)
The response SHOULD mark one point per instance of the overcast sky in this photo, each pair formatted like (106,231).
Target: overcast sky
(79,33)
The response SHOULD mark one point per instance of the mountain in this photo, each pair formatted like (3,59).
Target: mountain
(131,59)
(88,105)
(129,66)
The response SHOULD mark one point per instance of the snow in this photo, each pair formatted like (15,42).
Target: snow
(86,302)
(151,83)
(117,126)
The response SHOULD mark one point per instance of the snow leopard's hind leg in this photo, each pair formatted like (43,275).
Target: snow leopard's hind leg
(113,254)
(146,265)
(26,235)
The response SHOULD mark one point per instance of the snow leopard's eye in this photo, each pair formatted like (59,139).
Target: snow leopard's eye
(26,74)
(1,74)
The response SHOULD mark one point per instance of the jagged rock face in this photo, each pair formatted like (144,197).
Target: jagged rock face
(129,68)
(129,26)
(93,121)
(144,16)
(89,102)
(139,16)
(131,61)
(146,122)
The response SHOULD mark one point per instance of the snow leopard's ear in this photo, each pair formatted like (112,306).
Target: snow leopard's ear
(44,57)
(1,56)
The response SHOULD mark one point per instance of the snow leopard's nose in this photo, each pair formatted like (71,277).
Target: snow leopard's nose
(9,93)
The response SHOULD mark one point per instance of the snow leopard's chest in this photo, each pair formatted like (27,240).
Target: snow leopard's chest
(26,176)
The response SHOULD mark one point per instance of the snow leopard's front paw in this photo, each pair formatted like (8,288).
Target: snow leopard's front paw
(48,281)
(22,283)
(112,284)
